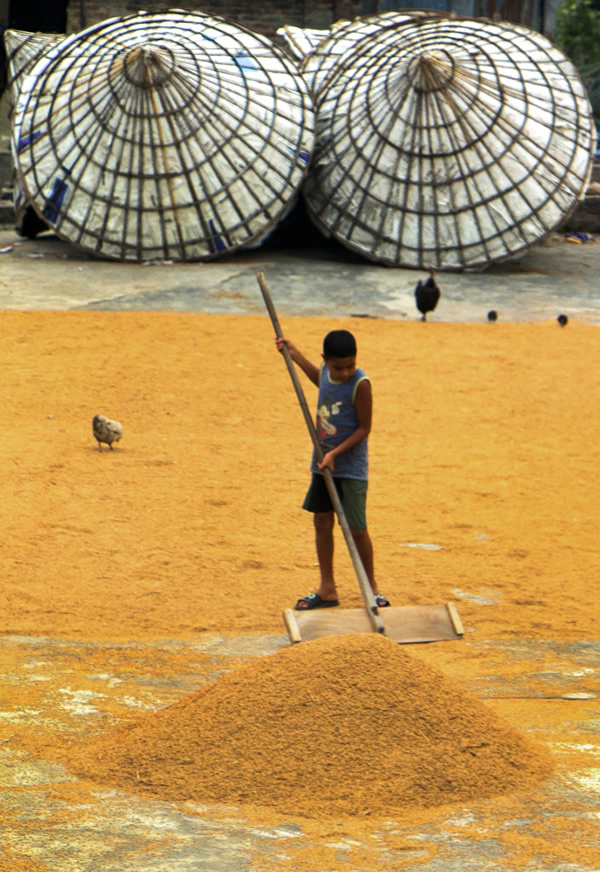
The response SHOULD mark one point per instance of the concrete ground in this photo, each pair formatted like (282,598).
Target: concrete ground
(107,830)
(315,277)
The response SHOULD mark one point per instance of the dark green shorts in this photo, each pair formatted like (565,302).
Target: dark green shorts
(353,496)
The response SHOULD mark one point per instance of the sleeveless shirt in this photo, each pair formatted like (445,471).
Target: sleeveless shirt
(336,420)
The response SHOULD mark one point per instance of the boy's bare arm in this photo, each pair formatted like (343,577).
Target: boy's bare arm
(364,413)
(311,371)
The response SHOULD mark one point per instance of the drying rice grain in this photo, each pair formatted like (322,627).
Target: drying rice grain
(342,725)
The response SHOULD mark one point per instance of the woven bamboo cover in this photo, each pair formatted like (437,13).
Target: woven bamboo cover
(344,36)
(169,135)
(449,143)
(301,41)
(22,51)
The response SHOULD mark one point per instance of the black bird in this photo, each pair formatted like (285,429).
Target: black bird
(563,320)
(427,295)
(492,315)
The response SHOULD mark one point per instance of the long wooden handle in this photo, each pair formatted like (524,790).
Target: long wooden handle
(365,586)
(291,368)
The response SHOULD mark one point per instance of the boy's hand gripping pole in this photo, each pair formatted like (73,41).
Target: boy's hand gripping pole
(365,586)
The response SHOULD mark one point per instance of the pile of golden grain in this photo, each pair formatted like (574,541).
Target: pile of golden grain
(339,725)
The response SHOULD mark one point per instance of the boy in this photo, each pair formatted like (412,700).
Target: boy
(344,412)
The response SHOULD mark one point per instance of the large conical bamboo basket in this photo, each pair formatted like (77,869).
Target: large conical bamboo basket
(449,143)
(174,135)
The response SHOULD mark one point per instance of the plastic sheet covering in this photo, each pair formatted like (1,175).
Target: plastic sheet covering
(301,41)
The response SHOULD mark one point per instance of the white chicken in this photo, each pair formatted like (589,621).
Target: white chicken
(106,430)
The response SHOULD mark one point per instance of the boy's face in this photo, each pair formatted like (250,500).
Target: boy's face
(341,368)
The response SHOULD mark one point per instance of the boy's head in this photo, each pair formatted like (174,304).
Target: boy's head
(339,353)
(339,343)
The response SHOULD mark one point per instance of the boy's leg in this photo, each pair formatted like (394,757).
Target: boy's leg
(324,523)
(354,501)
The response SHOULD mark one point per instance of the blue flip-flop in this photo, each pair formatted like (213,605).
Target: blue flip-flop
(381,601)
(314,601)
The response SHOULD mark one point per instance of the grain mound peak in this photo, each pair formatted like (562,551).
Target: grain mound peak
(342,725)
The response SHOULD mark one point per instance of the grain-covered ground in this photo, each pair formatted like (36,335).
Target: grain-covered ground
(132,577)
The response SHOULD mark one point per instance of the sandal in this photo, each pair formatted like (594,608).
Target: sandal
(381,601)
(314,601)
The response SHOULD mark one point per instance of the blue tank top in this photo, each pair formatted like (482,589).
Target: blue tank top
(336,420)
